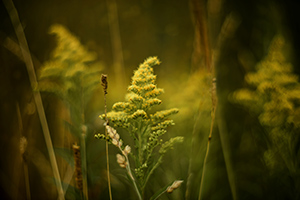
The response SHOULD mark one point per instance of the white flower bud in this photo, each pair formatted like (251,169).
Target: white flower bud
(121,161)
(115,142)
(120,143)
(111,135)
(120,158)
(127,150)
(176,184)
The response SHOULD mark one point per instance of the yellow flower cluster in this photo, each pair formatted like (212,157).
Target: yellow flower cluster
(119,119)
(163,114)
(169,144)
(146,129)
(153,139)
(142,96)
(139,113)
(163,125)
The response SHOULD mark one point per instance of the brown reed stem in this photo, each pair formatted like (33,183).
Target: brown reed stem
(84,165)
(23,148)
(37,96)
(26,176)
(78,170)
(104,84)
(201,46)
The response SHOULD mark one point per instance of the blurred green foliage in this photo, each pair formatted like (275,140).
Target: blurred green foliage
(274,96)
(261,129)
(72,74)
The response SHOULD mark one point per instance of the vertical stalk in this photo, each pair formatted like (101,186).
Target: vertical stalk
(78,169)
(26,176)
(225,142)
(201,46)
(83,146)
(104,84)
(23,148)
(213,113)
(190,173)
(128,169)
(131,176)
(140,156)
(113,23)
(84,167)
(37,96)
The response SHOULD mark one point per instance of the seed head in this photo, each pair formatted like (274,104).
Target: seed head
(127,150)
(121,161)
(104,82)
(176,184)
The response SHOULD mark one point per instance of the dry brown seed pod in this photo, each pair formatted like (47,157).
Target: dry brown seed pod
(104,82)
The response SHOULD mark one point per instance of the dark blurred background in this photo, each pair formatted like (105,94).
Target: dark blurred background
(173,31)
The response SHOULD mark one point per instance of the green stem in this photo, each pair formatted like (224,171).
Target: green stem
(27,184)
(160,194)
(225,142)
(106,146)
(140,143)
(151,171)
(131,176)
(190,173)
(207,150)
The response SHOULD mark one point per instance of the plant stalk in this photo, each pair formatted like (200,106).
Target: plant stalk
(84,167)
(207,151)
(131,176)
(104,84)
(27,184)
(36,94)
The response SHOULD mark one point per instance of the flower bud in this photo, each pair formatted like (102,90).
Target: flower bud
(176,184)
(121,161)
(127,150)
(120,143)
(115,142)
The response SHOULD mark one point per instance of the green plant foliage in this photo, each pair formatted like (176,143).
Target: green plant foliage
(274,96)
(72,74)
(145,128)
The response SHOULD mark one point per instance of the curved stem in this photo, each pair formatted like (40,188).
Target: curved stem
(151,171)
(160,194)
(130,174)
(207,150)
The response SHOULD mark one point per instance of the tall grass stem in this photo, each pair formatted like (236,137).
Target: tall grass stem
(207,151)
(104,84)
(27,183)
(37,96)
(84,166)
